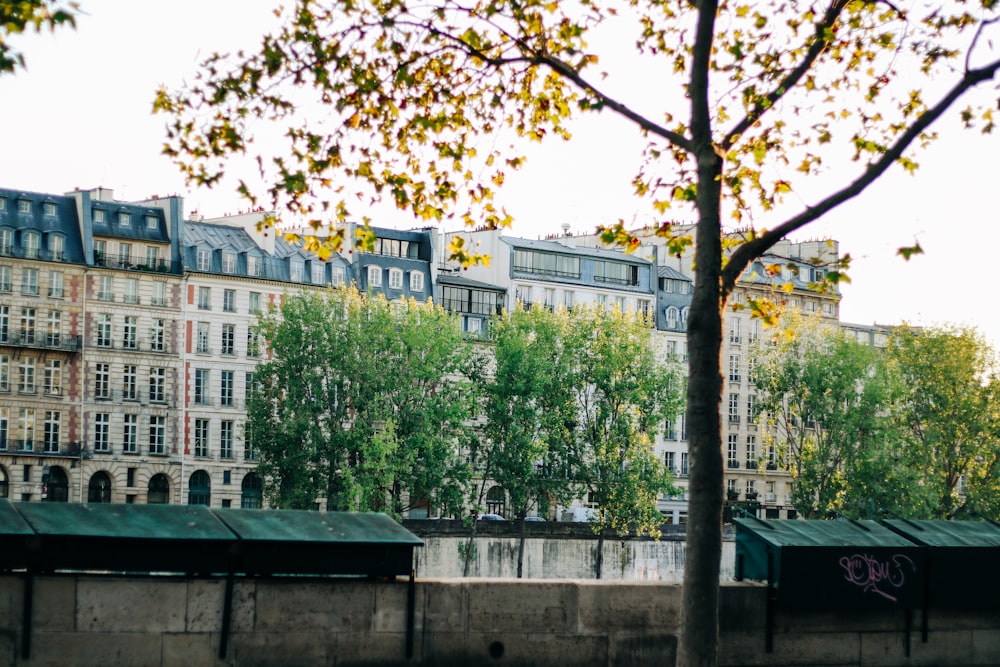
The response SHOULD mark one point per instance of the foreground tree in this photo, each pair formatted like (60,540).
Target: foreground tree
(408,98)
(19,16)
(830,405)
(363,404)
(950,416)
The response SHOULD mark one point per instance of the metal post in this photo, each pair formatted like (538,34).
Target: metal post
(26,620)
(411,605)
(227,614)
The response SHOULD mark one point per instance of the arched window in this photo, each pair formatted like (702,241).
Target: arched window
(99,489)
(158,492)
(672,317)
(253,492)
(200,488)
(56,485)
(495,500)
(4,483)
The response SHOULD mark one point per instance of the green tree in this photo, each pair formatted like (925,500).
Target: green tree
(412,95)
(829,402)
(623,396)
(364,403)
(950,414)
(19,16)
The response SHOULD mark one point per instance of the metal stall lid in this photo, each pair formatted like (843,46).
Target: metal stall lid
(328,543)
(840,564)
(961,559)
(15,538)
(99,537)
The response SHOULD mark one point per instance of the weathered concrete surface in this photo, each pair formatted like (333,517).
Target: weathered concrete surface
(553,551)
(82,620)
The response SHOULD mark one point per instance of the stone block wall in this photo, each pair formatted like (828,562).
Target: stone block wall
(89,620)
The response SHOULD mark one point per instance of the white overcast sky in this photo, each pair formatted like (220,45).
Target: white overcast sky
(80,117)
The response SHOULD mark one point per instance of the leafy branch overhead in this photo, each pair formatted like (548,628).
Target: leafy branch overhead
(20,16)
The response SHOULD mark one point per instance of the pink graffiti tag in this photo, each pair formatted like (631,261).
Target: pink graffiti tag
(870,574)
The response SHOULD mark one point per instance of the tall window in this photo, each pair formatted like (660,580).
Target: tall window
(228,339)
(204,260)
(296,271)
(50,431)
(751,451)
(734,368)
(56,284)
(105,288)
(338,276)
(125,219)
(734,331)
(201,378)
(253,265)
(102,381)
(228,262)
(53,329)
(157,336)
(124,254)
(130,333)
(4,427)
(100,249)
(30,243)
(158,385)
(4,324)
(6,242)
(26,429)
(159,293)
(157,434)
(103,330)
(131,290)
(253,343)
(416,281)
(4,278)
(734,408)
(152,257)
(684,464)
(130,385)
(752,409)
(317,273)
(201,343)
(229,300)
(4,372)
(102,432)
(53,377)
(27,383)
(226,439)
(204,298)
(226,394)
(254,303)
(201,437)
(732,453)
(29,281)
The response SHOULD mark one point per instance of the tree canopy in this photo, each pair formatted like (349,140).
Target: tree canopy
(19,16)
(410,102)
(364,404)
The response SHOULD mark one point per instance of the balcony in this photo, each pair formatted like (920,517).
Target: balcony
(129,263)
(751,465)
(44,342)
(40,448)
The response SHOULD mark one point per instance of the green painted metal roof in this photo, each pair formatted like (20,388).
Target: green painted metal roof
(940,533)
(186,522)
(12,523)
(836,533)
(326,527)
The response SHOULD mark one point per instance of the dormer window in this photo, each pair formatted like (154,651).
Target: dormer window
(396,278)
(30,242)
(23,206)
(151,222)
(56,244)
(204,260)
(338,277)
(416,281)
(296,270)
(3,204)
(98,215)
(317,273)
(253,265)
(6,242)
(48,208)
(374,276)
(124,219)
(229,262)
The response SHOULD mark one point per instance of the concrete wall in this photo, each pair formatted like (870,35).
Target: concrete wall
(554,550)
(88,620)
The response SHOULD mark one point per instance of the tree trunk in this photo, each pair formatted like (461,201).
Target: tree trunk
(520,547)
(699,640)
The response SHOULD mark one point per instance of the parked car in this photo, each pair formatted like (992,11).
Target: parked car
(491,517)
(534,518)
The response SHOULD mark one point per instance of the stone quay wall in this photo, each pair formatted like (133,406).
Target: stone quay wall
(84,620)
